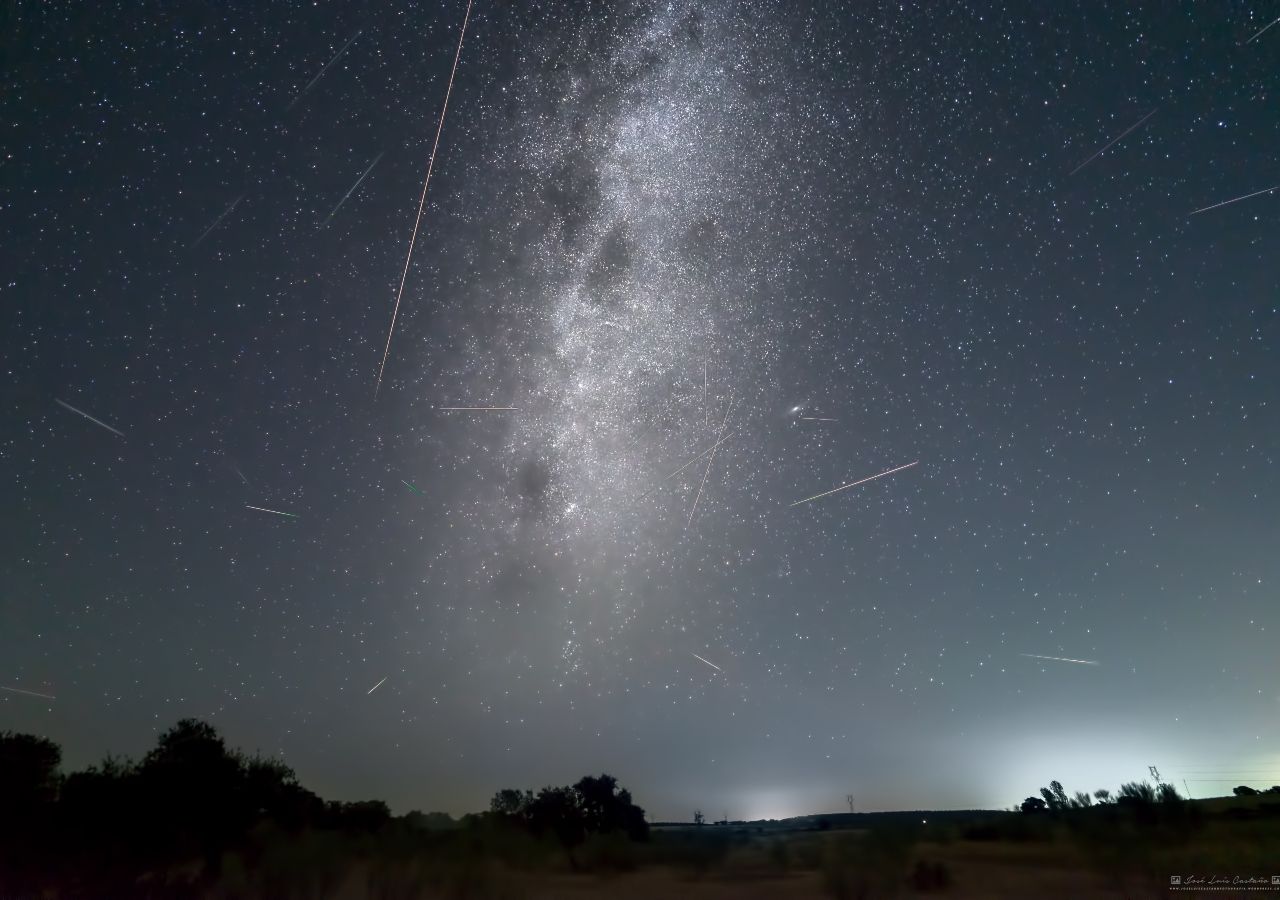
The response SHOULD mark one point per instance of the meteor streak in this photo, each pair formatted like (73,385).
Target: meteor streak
(1082,662)
(1260,33)
(815,419)
(320,74)
(275,511)
(710,460)
(423,201)
(707,661)
(226,212)
(1114,142)
(412,487)
(477,408)
(80,412)
(845,487)
(379,684)
(686,465)
(14,690)
(1234,200)
(351,191)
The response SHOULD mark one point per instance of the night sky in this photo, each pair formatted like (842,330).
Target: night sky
(826,239)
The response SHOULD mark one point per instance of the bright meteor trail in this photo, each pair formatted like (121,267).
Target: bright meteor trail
(1234,200)
(14,690)
(1082,662)
(379,684)
(423,201)
(1263,31)
(80,412)
(845,487)
(707,661)
(275,511)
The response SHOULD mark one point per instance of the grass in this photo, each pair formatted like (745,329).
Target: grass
(1101,853)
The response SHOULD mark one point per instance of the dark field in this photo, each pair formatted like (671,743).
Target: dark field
(1097,853)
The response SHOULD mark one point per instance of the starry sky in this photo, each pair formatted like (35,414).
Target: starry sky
(696,261)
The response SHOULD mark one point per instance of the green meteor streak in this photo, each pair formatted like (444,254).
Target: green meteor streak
(412,488)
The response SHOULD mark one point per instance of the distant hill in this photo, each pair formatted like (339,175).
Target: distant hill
(846,821)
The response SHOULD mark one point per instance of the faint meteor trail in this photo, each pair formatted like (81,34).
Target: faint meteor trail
(81,412)
(226,212)
(351,191)
(1082,662)
(845,487)
(815,419)
(710,460)
(431,162)
(477,408)
(1114,142)
(379,684)
(707,661)
(14,690)
(320,74)
(1234,200)
(412,488)
(241,474)
(687,465)
(1260,33)
(275,511)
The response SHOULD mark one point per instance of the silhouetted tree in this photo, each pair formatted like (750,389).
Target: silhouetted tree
(1033,805)
(28,771)
(1081,800)
(99,802)
(1102,795)
(97,832)
(1167,793)
(192,791)
(1135,793)
(698,817)
(511,803)
(362,815)
(1274,789)
(1054,796)
(555,811)
(1244,791)
(271,791)
(432,821)
(606,808)
(29,783)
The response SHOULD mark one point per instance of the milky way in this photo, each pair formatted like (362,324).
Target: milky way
(674,255)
